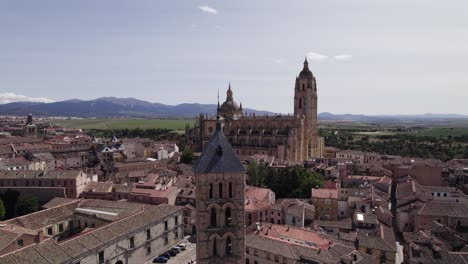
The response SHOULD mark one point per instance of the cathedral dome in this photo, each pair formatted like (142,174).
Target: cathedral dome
(229,106)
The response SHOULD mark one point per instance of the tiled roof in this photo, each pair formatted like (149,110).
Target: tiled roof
(51,251)
(38,220)
(37,174)
(443,208)
(218,156)
(58,201)
(325,193)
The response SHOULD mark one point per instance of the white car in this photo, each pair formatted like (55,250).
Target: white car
(182,246)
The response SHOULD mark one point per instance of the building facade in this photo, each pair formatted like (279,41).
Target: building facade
(220,184)
(292,138)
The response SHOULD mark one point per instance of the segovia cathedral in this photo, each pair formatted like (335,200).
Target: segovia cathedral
(290,137)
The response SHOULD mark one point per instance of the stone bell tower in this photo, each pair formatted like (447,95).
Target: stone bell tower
(220,187)
(305,105)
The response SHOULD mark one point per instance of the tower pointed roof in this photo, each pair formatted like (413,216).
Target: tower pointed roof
(305,71)
(218,156)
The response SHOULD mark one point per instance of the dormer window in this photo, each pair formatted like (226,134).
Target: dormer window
(219,151)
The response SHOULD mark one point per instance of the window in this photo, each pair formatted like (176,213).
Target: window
(227,217)
(300,103)
(247,250)
(220,189)
(176,233)
(211,191)
(70,224)
(438,194)
(294,220)
(148,250)
(250,219)
(165,226)
(228,246)
(255,262)
(268,256)
(148,234)
(166,240)
(213,217)
(445,194)
(255,252)
(49,231)
(132,242)
(101,257)
(230,190)
(247,261)
(276,258)
(20,243)
(215,244)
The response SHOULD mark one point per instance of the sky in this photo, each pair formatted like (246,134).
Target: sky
(369,57)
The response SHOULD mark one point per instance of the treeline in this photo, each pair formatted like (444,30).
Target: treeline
(152,133)
(12,204)
(401,144)
(289,182)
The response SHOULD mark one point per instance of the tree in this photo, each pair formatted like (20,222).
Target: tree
(187,156)
(259,174)
(2,210)
(10,199)
(27,204)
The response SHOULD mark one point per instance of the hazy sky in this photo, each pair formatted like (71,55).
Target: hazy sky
(372,57)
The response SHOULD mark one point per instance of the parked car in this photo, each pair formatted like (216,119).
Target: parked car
(165,255)
(160,260)
(182,246)
(173,253)
(176,249)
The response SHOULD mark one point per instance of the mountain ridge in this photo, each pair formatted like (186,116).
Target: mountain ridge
(131,107)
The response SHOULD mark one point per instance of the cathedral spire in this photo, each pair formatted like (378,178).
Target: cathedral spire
(306,64)
(229,93)
(219,107)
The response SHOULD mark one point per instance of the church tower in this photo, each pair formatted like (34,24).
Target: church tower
(305,105)
(220,187)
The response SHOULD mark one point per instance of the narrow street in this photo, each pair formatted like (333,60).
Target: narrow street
(399,255)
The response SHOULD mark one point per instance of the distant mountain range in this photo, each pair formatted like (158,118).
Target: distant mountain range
(111,107)
(130,107)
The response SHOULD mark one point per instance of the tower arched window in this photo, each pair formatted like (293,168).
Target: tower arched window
(220,189)
(300,103)
(227,217)
(211,191)
(213,217)
(228,246)
(215,245)
(250,218)
(230,190)
(303,87)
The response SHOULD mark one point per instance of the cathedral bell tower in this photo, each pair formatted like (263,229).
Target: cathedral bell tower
(220,188)
(305,105)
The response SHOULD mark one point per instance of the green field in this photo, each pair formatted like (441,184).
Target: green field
(122,123)
(443,132)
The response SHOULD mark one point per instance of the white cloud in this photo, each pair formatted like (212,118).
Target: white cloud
(343,57)
(316,56)
(219,27)
(208,9)
(6,98)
